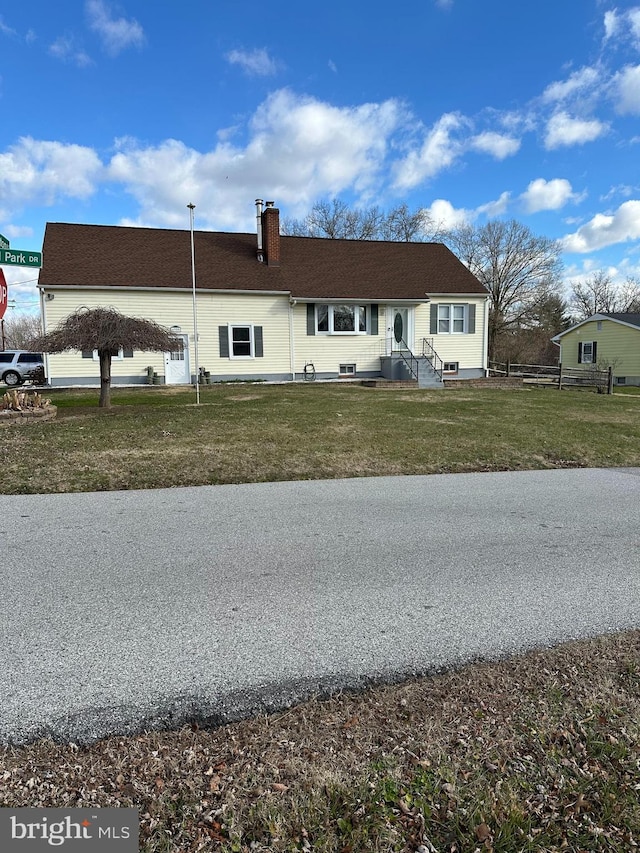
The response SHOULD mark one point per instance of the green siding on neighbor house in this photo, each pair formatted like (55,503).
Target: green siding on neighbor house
(618,346)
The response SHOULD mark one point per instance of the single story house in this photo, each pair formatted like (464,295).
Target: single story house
(268,305)
(604,340)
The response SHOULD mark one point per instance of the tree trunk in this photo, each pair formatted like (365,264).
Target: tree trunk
(105,379)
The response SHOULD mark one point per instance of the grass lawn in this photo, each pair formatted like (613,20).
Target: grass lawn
(536,753)
(251,432)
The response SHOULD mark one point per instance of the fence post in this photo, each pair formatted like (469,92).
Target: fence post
(560,377)
(610,381)
(508,367)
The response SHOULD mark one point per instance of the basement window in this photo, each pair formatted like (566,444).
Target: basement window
(450,367)
(621,380)
(347,370)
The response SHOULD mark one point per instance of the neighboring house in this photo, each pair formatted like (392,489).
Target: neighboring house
(604,340)
(268,305)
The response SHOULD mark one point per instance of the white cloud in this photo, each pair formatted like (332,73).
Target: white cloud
(15,232)
(547,195)
(6,30)
(65,49)
(627,85)
(446,216)
(116,34)
(255,62)
(332,66)
(438,151)
(625,190)
(299,149)
(494,208)
(624,26)
(578,83)
(496,144)
(611,24)
(563,130)
(606,229)
(444,4)
(633,16)
(40,172)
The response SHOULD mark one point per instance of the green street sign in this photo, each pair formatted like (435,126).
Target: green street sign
(20,258)
(4,243)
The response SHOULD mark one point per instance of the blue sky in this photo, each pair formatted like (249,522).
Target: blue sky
(123,113)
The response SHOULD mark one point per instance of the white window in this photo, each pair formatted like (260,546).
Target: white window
(178,353)
(341,319)
(127,353)
(452,319)
(347,370)
(241,342)
(450,367)
(587,352)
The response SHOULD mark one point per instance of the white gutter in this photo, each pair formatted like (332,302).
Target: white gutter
(118,288)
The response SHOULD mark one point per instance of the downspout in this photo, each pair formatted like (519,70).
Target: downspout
(485,355)
(43,329)
(292,341)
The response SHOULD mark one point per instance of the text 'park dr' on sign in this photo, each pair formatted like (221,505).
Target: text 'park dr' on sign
(20,258)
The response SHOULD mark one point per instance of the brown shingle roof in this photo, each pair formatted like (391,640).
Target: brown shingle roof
(310,268)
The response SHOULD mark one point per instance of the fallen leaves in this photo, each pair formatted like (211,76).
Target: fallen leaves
(545,746)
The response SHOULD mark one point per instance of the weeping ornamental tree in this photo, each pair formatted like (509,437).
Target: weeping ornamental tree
(107,331)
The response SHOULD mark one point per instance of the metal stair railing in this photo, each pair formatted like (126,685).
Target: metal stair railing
(432,356)
(409,358)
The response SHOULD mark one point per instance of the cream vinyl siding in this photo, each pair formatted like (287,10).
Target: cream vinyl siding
(618,345)
(468,350)
(176,309)
(328,352)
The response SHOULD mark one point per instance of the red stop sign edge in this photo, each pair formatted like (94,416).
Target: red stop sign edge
(3,294)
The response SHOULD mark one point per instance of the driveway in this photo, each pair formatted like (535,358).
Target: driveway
(129,610)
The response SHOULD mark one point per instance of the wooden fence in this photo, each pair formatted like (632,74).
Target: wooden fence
(557,375)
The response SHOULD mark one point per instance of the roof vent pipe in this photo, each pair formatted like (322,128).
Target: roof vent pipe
(259,223)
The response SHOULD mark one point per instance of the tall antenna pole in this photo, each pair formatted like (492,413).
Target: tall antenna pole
(192,207)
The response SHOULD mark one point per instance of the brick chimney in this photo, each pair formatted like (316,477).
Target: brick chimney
(271,234)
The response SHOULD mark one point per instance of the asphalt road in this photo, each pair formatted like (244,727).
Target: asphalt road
(121,611)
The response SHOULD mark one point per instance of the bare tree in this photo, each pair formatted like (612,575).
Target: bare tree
(629,296)
(107,331)
(19,329)
(336,220)
(599,295)
(402,225)
(517,268)
(594,295)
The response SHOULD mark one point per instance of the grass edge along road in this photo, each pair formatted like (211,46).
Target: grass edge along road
(540,752)
(257,433)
